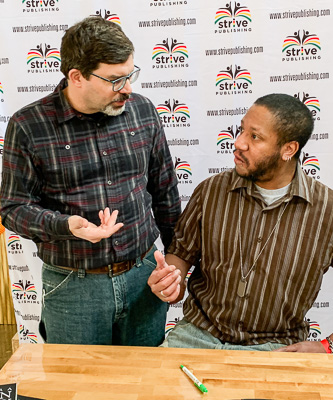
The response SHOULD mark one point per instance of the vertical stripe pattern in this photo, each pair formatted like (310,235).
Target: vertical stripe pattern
(287,275)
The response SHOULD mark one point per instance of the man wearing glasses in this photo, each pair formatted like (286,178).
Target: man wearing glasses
(74,162)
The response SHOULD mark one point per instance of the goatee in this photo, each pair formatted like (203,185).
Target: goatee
(114,111)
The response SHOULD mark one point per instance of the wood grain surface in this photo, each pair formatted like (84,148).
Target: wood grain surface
(67,372)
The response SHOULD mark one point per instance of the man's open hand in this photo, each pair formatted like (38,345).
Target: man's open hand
(83,229)
(304,347)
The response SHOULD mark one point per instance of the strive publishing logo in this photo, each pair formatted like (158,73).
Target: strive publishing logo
(106,14)
(233,18)
(183,171)
(237,81)
(170,54)
(311,102)
(299,47)
(315,331)
(24,292)
(176,115)
(226,139)
(14,245)
(27,336)
(170,325)
(43,58)
(34,6)
(310,165)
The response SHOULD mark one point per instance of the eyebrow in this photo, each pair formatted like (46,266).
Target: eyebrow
(115,77)
(253,128)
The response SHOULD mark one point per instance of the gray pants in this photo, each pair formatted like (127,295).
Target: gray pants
(188,335)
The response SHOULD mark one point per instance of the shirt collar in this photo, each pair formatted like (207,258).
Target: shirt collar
(63,109)
(300,185)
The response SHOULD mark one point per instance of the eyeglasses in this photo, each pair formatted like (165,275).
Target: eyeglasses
(119,83)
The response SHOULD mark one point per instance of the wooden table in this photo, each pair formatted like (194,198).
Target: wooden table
(63,372)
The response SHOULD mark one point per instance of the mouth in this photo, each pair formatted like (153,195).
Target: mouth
(121,100)
(119,103)
(238,159)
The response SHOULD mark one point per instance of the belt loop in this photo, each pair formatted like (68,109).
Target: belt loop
(81,273)
(138,261)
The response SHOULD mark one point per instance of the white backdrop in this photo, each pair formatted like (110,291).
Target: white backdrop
(203,65)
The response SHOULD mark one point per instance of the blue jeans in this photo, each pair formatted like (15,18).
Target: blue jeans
(185,334)
(97,309)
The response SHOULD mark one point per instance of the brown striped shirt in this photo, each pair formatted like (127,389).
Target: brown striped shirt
(288,273)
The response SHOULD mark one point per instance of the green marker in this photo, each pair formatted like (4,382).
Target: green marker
(196,381)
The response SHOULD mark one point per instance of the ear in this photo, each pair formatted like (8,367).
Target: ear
(288,150)
(75,77)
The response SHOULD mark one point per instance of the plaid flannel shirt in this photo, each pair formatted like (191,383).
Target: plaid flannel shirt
(58,162)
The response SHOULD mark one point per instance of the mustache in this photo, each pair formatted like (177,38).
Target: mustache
(122,97)
(241,156)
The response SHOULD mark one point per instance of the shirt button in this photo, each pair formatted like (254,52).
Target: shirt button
(116,242)
(109,182)
(98,124)
(67,147)
(105,153)
(132,133)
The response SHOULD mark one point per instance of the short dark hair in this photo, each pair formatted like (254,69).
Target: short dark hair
(92,41)
(293,119)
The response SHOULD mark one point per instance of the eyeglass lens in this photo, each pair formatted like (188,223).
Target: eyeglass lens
(119,84)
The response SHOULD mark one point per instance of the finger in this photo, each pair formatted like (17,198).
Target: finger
(172,299)
(170,290)
(281,349)
(112,218)
(159,274)
(115,228)
(158,281)
(160,260)
(107,231)
(107,215)
(287,349)
(101,217)
(172,296)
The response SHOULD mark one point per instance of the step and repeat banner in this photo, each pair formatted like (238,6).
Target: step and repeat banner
(203,64)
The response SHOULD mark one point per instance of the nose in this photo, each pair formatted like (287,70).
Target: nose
(127,88)
(241,142)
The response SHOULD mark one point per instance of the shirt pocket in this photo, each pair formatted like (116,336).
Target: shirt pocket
(132,149)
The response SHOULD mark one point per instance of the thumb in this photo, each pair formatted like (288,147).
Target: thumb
(77,222)
(159,257)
